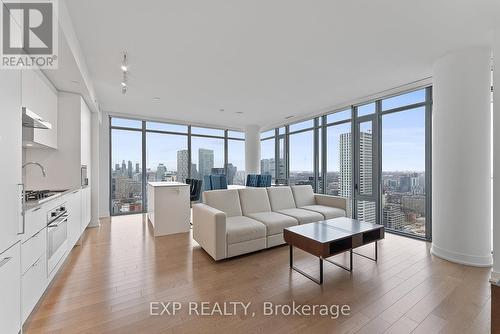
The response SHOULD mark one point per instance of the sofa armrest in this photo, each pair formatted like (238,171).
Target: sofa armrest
(332,201)
(209,230)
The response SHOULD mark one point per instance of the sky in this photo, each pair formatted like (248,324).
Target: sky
(403,142)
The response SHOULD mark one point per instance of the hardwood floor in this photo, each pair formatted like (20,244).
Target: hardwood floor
(107,284)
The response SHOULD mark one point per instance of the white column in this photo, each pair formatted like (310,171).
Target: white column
(461,157)
(495,275)
(252,149)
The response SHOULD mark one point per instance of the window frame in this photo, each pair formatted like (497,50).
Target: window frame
(144,131)
(321,144)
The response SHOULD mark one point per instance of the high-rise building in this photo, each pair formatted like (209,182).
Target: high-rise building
(137,169)
(129,170)
(205,161)
(366,211)
(231,172)
(161,172)
(124,168)
(182,165)
(268,166)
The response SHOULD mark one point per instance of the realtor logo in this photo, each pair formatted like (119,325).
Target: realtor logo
(29,34)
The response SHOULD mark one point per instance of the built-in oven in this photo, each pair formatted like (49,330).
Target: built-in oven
(57,236)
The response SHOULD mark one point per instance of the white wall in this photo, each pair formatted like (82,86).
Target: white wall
(496,157)
(461,166)
(252,149)
(104,166)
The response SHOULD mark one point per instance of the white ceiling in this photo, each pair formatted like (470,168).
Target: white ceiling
(267,59)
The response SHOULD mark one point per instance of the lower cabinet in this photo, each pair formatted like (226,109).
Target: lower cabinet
(33,271)
(10,286)
(33,281)
(86,202)
(74,206)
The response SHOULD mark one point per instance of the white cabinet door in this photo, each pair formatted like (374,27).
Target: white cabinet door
(40,97)
(10,290)
(33,284)
(74,206)
(11,153)
(86,214)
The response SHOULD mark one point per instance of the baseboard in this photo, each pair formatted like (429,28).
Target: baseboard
(468,260)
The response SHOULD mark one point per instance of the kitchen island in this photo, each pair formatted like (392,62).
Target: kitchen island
(168,207)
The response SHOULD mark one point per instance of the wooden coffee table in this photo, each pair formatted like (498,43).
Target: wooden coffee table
(330,237)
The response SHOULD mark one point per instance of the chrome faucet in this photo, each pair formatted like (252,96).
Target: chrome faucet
(37,164)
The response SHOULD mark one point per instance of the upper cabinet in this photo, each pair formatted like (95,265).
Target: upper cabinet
(40,97)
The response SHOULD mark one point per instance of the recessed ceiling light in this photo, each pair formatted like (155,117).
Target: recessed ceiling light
(124,84)
(156,98)
(29,145)
(291,116)
(239,112)
(124,68)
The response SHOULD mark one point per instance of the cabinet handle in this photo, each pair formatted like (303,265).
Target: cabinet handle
(23,207)
(36,209)
(4,261)
(37,262)
(74,192)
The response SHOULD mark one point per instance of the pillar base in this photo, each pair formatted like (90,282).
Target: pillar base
(468,260)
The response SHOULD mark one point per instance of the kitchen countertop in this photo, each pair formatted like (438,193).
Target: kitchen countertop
(168,184)
(32,205)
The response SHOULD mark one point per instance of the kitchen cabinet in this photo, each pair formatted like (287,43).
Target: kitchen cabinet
(11,152)
(35,220)
(10,305)
(74,206)
(34,271)
(39,96)
(64,164)
(86,208)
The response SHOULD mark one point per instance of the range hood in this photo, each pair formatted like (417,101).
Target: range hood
(32,120)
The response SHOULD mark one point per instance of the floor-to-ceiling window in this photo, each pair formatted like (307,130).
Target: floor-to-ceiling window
(301,153)
(235,158)
(126,186)
(268,153)
(207,152)
(383,167)
(338,175)
(404,193)
(144,151)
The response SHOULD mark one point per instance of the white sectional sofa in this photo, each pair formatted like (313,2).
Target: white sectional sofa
(233,222)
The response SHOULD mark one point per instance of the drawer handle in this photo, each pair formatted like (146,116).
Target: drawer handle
(4,261)
(37,262)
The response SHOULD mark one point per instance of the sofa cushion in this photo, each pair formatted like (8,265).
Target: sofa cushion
(227,201)
(275,222)
(254,200)
(281,198)
(303,195)
(240,228)
(327,211)
(302,215)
